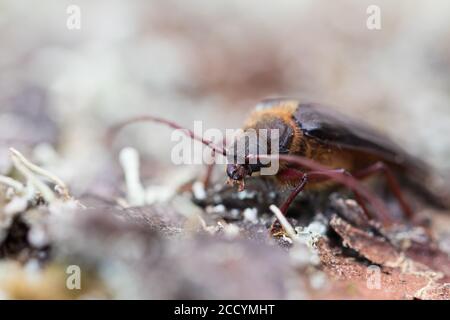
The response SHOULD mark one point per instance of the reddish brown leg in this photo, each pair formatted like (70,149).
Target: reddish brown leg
(316,176)
(393,185)
(304,179)
(294,193)
(290,174)
(323,176)
(359,198)
(378,206)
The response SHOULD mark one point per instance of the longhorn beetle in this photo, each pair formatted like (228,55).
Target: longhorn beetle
(317,146)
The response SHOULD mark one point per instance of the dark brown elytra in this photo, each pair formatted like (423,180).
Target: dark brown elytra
(318,145)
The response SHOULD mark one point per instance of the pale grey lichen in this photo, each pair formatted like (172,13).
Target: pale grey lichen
(251,215)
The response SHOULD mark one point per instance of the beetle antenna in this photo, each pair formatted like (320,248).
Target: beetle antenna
(114,130)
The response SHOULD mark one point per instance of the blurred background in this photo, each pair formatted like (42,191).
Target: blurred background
(60,89)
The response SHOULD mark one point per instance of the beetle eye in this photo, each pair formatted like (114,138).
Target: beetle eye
(254,168)
(238,172)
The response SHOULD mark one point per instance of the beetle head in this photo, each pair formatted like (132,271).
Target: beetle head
(237,174)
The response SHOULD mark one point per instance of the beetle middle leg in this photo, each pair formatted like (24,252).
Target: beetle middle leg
(392,183)
(314,176)
(323,176)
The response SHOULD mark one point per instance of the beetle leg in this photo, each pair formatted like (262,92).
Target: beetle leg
(321,176)
(291,173)
(378,206)
(380,167)
(359,199)
(317,176)
(294,193)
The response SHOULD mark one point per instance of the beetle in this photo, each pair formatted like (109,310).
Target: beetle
(336,141)
(318,145)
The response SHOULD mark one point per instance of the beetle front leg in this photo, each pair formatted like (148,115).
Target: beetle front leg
(294,193)
(292,174)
